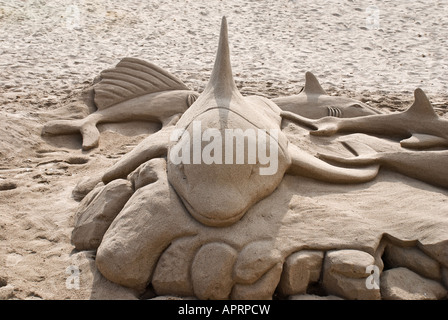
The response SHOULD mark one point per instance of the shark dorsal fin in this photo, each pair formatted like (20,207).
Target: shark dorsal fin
(312,85)
(221,81)
(421,106)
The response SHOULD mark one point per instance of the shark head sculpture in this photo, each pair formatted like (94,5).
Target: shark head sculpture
(228,150)
(313,102)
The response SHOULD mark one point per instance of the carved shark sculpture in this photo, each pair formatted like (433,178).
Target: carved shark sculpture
(211,195)
(418,127)
(198,208)
(313,102)
(230,189)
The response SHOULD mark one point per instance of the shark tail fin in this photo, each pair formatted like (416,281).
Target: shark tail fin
(87,128)
(90,136)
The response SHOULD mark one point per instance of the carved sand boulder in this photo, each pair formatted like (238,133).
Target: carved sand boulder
(403,284)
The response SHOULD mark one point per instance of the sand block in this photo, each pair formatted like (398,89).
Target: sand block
(404,284)
(299,270)
(93,220)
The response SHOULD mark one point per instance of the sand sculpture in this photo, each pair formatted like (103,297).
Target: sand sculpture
(134,89)
(234,230)
(419,127)
(314,103)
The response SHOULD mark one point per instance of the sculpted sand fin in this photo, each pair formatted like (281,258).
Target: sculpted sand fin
(221,82)
(363,154)
(153,94)
(304,164)
(426,166)
(423,141)
(131,78)
(421,106)
(358,148)
(312,85)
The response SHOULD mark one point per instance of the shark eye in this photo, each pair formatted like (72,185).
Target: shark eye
(357,106)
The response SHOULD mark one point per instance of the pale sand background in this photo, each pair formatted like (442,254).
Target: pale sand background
(51,50)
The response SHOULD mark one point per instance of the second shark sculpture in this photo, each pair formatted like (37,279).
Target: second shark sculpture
(313,102)
(418,127)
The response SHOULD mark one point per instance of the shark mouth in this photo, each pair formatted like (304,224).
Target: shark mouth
(212,222)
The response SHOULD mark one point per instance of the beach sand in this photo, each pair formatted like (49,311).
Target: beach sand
(377,52)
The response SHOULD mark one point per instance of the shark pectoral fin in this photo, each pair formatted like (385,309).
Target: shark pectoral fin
(307,165)
(320,127)
(153,146)
(363,154)
(310,123)
(423,141)
(326,128)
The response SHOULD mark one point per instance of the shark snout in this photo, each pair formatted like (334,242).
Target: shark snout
(217,206)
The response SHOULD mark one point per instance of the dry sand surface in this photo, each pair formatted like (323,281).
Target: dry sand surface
(377,51)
